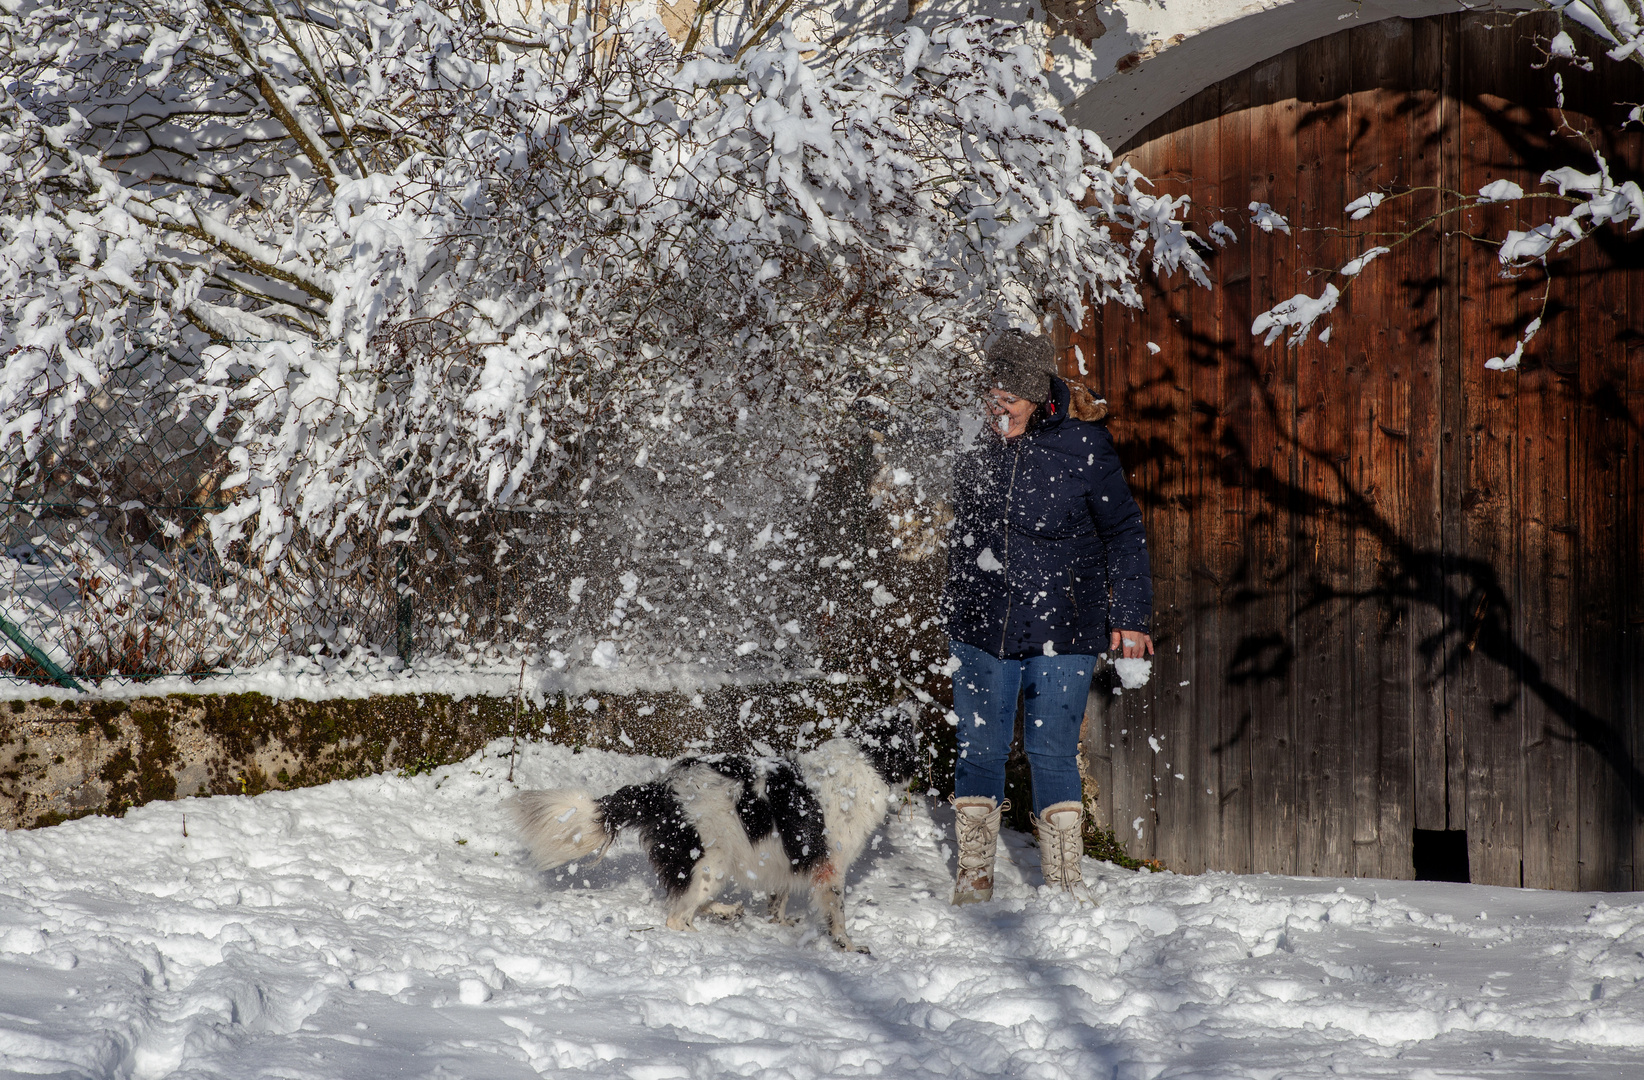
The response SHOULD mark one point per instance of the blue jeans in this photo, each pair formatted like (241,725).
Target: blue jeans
(1054,688)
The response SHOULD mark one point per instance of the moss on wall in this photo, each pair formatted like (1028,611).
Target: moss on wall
(61,760)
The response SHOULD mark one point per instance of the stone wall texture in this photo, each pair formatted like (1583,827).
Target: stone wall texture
(64,759)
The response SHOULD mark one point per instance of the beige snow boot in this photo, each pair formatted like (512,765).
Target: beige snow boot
(976,821)
(1061,844)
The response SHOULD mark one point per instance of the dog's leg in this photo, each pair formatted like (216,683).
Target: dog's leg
(779,908)
(828,891)
(684,907)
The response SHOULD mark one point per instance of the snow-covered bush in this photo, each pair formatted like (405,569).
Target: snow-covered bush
(561,331)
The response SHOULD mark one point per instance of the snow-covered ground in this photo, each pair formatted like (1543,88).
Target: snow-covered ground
(390,927)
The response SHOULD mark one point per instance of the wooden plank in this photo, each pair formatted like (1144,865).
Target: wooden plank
(1378,159)
(1229,785)
(1536,393)
(1168,830)
(1263,656)
(1456,440)
(1594,536)
(1396,761)
(1418,269)
(1542,616)
(1324,395)
(1188,824)
(1486,683)
(1165,398)
(1147,404)
(1360,345)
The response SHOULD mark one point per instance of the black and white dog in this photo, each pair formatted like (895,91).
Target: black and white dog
(762,823)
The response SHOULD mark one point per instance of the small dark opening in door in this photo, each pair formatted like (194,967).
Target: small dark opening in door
(1441,855)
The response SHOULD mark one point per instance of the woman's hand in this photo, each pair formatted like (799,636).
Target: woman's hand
(1134,642)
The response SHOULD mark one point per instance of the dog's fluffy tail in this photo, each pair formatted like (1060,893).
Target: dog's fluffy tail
(561,825)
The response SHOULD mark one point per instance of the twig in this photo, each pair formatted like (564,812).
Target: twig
(704,9)
(314,149)
(764,27)
(320,86)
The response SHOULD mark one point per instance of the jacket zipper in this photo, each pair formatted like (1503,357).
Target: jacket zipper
(1010,490)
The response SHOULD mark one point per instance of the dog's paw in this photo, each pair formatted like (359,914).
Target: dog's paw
(724,911)
(785,920)
(847,945)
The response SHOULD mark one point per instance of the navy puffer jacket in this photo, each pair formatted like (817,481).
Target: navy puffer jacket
(1047,542)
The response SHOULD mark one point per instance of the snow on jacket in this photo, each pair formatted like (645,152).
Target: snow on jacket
(1047,542)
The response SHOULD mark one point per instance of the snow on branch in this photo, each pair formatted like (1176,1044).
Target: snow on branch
(1301,312)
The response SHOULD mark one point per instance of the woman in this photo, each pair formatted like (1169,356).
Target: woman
(1047,567)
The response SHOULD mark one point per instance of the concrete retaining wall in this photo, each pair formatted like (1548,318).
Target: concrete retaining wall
(67,759)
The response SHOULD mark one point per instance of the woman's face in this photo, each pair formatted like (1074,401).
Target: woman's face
(1010,413)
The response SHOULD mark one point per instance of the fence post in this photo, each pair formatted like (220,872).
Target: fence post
(402,628)
(35,653)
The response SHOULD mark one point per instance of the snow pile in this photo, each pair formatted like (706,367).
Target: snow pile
(386,926)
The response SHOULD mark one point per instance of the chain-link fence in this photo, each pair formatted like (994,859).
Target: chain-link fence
(107,566)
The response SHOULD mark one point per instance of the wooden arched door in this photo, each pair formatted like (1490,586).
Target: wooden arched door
(1396,591)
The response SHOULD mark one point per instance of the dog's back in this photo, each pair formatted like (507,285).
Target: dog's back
(854,796)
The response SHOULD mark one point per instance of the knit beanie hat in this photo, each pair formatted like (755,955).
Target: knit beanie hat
(1021,364)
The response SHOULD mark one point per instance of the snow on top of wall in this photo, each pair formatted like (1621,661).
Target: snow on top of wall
(367,676)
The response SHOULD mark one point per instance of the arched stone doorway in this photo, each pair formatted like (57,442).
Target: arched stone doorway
(1407,592)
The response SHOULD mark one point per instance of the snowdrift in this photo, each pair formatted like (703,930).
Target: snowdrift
(389,926)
